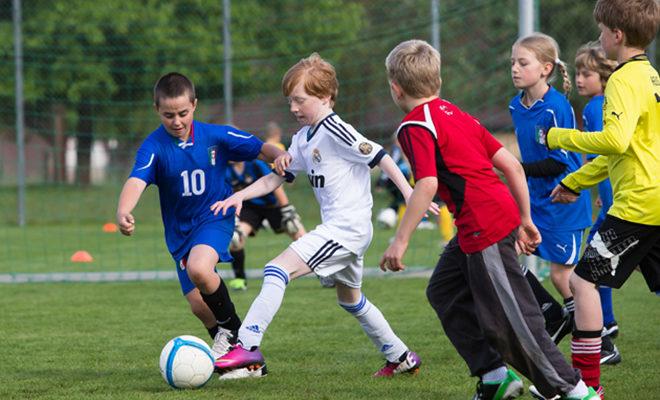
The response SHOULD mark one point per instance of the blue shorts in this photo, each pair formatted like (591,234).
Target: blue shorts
(560,247)
(213,234)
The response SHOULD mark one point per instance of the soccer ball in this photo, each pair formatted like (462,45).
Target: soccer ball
(186,362)
(386,218)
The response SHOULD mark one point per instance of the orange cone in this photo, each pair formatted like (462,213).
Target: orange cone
(110,227)
(81,256)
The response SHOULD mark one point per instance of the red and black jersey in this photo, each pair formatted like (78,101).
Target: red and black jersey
(442,141)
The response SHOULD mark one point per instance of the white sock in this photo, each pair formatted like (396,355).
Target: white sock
(495,375)
(580,390)
(264,307)
(376,327)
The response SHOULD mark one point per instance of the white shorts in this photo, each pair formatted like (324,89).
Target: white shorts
(326,258)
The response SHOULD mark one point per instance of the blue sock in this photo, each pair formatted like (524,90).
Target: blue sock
(606,304)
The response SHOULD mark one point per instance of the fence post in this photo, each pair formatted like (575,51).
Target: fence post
(525,17)
(435,24)
(226,31)
(20,118)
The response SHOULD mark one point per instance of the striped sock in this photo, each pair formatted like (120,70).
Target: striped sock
(377,328)
(585,354)
(264,307)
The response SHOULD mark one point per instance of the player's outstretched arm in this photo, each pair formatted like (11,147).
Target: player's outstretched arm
(262,186)
(128,199)
(421,198)
(392,170)
(528,236)
(270,152)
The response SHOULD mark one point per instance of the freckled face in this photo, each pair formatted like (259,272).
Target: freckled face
(307,109)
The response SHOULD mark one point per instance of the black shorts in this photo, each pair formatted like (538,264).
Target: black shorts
(617,249)
(255,215)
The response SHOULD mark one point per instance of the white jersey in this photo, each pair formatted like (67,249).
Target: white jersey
(337,160)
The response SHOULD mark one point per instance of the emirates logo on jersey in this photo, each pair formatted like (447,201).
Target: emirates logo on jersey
(316,156)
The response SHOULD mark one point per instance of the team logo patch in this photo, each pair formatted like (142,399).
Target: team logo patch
(182,263)
(213,152)
(316,156)
(365,148)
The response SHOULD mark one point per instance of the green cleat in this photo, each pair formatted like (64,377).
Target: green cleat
(238,284)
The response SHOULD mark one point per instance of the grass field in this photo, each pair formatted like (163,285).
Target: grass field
(102,341)
(63,219)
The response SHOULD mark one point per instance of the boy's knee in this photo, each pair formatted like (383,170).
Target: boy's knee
(356,308)
(432,296)
(578,285)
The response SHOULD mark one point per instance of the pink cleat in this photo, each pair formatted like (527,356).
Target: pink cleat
(408,363)
(251,363)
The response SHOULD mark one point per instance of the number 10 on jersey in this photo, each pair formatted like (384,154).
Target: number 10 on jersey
(194,183)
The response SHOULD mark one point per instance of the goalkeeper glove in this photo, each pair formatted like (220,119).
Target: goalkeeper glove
(290,219)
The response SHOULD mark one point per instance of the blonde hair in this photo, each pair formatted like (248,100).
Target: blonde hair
(414,65)
(592,57)
(637,19)
(318,76)
(546,50)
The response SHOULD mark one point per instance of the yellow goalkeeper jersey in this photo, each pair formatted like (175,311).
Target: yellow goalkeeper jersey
(629,143)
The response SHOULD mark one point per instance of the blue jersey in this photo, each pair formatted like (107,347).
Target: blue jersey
(592,119)
(191,176)
(252,171)
(553,110)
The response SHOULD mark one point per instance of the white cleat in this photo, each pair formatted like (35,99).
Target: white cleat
(242,373)
(223,340)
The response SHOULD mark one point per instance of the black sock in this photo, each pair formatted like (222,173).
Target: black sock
(213,331)
(222,307)
(550,308)
(238,265)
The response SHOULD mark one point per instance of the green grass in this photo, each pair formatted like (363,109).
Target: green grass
(102,341)
(64,219)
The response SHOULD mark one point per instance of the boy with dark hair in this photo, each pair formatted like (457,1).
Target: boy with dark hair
(477,289)
(187,160)
(629,146)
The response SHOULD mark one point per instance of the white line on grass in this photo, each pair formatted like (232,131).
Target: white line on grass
(131,276)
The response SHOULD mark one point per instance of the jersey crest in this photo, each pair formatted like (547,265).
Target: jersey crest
(213,152)
(316,156)
(365,148)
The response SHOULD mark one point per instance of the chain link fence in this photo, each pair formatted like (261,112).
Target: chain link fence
(89,68)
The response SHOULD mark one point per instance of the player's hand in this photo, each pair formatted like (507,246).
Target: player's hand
(562,195)
(235,200)
(126,223)
(282,163)
(393,257)
(434,209)
(529,237)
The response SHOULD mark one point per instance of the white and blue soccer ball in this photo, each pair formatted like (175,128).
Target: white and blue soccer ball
(186,362)
(386,218)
